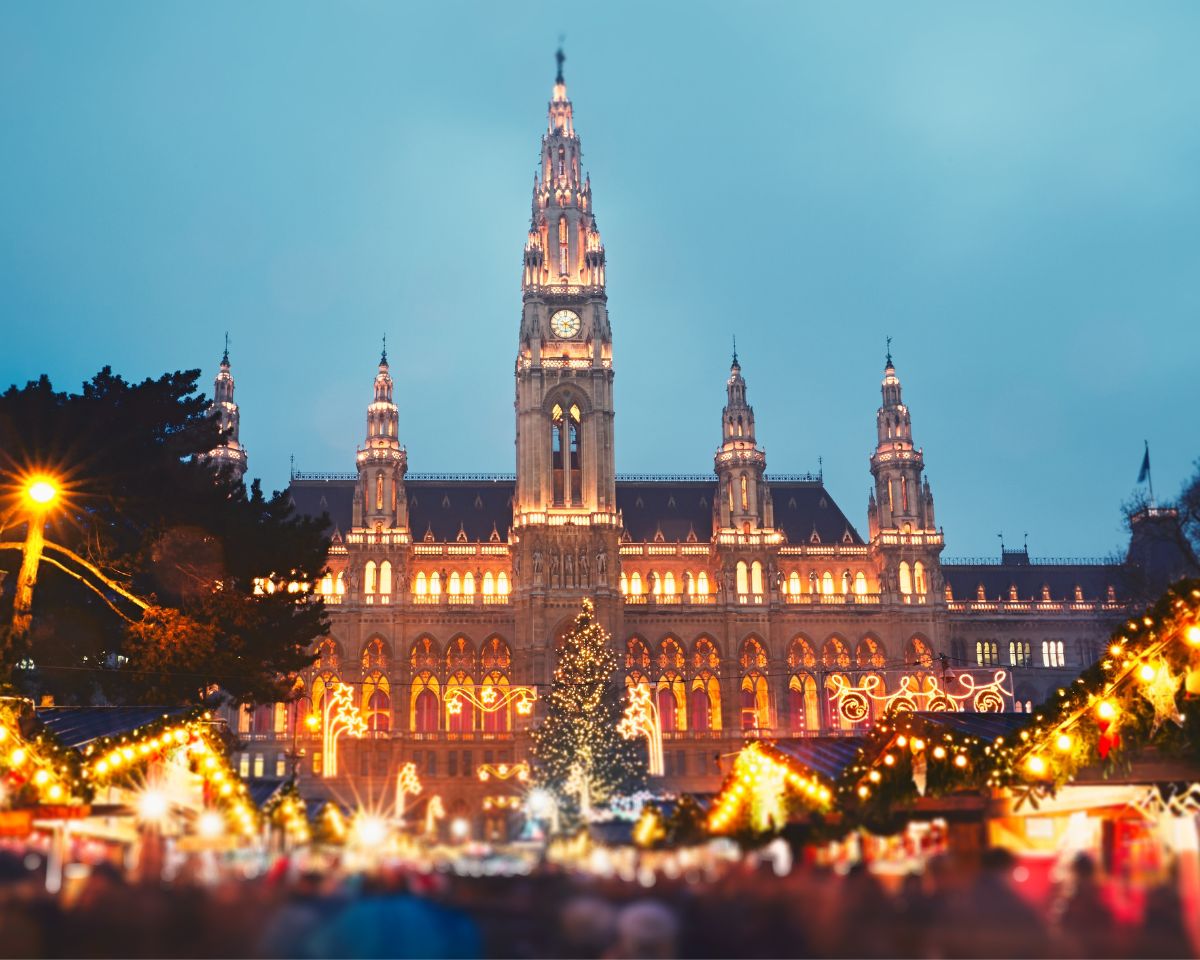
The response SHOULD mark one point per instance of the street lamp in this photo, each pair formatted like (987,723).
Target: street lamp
(38,494)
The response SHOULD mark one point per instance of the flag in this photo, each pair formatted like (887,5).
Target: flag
(1144,473)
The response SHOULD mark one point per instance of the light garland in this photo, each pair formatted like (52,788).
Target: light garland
(755,793)
(492,699)
(641,720)
(854,703)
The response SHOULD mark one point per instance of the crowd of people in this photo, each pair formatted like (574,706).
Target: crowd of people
(954,908)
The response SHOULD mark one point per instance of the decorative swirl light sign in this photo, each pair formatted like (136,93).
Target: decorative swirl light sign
(917,692)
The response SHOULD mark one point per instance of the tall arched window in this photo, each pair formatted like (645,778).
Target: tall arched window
(327,584)
(756,578)
(860,583)
(435,584)
(426,704)
(804,707)
(379,491)
(704,705)
(497,721)
(668,587)
(635,584)
(557,454)
(370,578)
(502,583)
(489,584)
(905,577)
(827,583)
(745,494)
(702,583)
(339,585)
(743,580)
(468,583)
(919,577)
(462,718)
(794,583)
(455,587)
(377,702)
(573,432)
(385,577)
(624,584)
(420,586)
(564,264)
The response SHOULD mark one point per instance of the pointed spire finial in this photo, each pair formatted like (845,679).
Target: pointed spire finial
(735,359)
(383,356)
(225,356)
(559,56)
(889,351)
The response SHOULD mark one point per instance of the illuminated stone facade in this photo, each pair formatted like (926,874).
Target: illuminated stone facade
(742,598)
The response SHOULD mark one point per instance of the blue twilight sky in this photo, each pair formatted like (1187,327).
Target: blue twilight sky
(1009,190)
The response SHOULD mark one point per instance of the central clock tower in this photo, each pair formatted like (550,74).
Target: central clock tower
(565,520)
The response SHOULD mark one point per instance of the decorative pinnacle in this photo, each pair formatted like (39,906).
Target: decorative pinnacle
(559,56)
(225,357)
(383,356)
(735,359)
(889,351)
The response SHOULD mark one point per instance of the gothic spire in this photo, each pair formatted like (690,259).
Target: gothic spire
(229,451)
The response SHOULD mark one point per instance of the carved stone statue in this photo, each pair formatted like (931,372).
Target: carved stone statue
(568,569)
(555,569)
(602,566)
(584,580)
(516,568)
(537,566)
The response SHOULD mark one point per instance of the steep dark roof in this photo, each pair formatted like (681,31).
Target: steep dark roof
(828,756)
(1093,579)
(675,508)
(78,726)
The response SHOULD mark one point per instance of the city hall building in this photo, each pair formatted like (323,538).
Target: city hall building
(749,601)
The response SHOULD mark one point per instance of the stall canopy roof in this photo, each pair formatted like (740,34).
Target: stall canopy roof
(985,726)
(827,756)
(78,726)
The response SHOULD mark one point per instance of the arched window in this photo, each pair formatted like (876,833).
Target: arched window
(502,583)
(655,583)
(379,491)
(327,584)
(573,434)
(860,583)
(385,577)
(846,579)
(804,707)
(827,583)
(835,653)
(905,577)
(426,704)
(1052,653)
(794,583)
(489,584)
(635,584)
(637,656)
(702,583)
(745,495)
(377,702)
(462,718)
(563,238)
(689,583)
(743,583)
(370,578)
(376,655)
(624,584)
(917,653)
(420,587)
(497,721)
(870,654)
(339,585)
(705,699)
(669,584)
(455,587)
(756,578)
(919,577)
(754,702)
(468,583)
(986,653)
(671,700)
(435,584)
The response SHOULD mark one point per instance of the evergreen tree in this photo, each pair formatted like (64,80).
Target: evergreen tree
(580,756)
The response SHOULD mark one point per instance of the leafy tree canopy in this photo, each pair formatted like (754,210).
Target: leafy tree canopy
(141,504)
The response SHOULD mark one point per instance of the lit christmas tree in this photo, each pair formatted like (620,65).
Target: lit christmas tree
(579,753)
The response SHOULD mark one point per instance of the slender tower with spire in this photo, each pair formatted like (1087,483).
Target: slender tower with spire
(745,500)
(229,452)
(900,507)
(380,502)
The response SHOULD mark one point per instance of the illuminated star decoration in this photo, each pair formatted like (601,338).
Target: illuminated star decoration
(1160,693)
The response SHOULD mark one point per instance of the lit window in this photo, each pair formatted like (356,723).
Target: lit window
(258,765)
(743,583)
(794,583)
(379,491)
(905,578)
(244,766)
(435,584)
(860,583)
(468,582)
(455,587)
(369,580)
(280,765)
(919,576)
(702,583)
(327,584)
(655,584)
(669,584)
(489,584)
(827,583)
(756,577)
(502,583)
(745,497)
(624,585)
(420,586)
(385,577)
(340,584)
(635,584)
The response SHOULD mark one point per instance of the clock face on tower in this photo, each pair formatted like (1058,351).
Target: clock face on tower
(565,324)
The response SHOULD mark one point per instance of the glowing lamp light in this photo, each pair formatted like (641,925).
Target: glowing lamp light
(960,760)
(863,791)
(459,828)
(312,721)
(540,802)
(55,793)
(1106,711)
(939,752)
(1063,743)
(1115,649)
(17,757)
(211,824)
(152,806)
(1035,765)
(1146,673)
(874,776)
(41,491)
(1192,635)
(889,759)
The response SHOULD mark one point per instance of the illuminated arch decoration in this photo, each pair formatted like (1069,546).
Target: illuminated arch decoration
(503,771)
(491,698)
(917,692)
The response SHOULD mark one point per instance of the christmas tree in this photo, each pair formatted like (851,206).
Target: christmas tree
(580,756)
